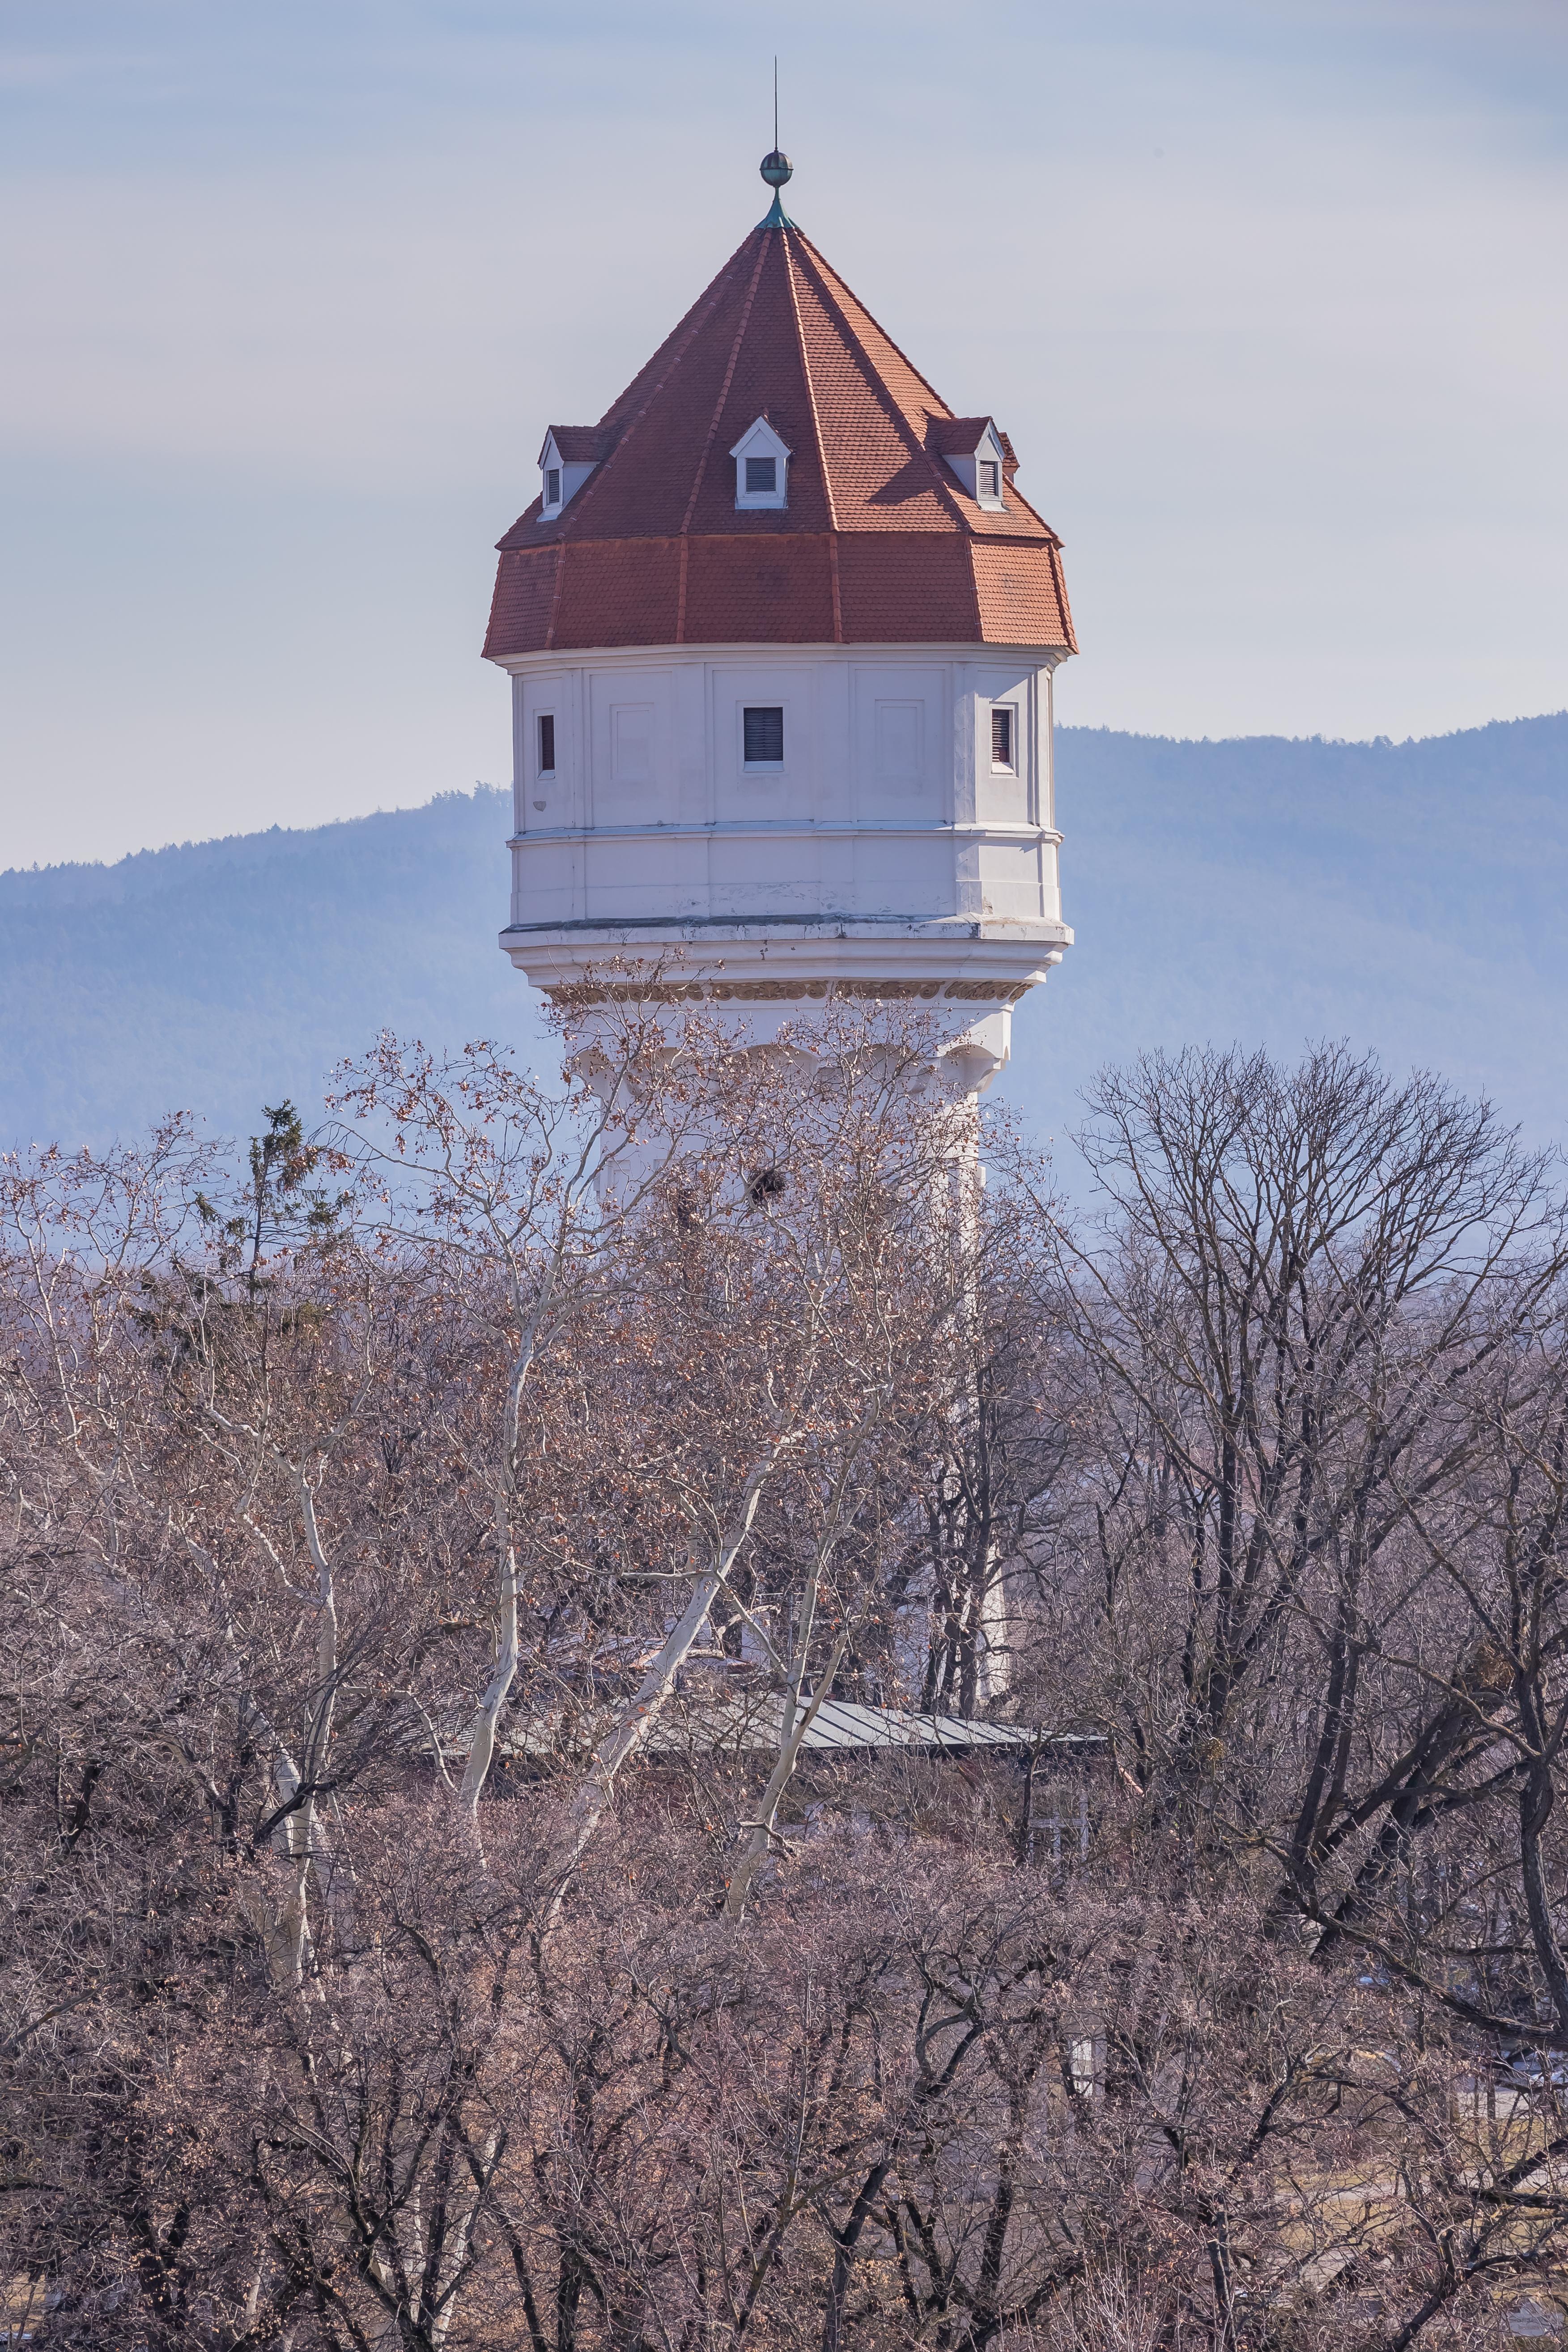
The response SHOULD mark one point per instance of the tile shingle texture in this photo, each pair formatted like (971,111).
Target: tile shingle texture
(880,543)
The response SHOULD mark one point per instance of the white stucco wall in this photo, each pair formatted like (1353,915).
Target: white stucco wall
(885,808)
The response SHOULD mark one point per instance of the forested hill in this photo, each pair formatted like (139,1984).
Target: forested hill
(1407,896)
(222,975)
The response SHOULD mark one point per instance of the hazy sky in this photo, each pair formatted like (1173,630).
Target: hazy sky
(1268,294)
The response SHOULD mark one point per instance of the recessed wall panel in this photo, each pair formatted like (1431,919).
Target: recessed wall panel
(631,723)
(545,795)
(772,789)
(898,728)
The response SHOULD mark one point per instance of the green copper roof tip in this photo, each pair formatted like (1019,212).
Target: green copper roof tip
(776,169)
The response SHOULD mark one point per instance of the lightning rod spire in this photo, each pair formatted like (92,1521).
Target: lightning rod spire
(776,169)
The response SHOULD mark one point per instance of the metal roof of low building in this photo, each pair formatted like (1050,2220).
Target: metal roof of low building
(749,1723)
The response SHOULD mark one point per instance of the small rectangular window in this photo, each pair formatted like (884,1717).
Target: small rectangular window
(761,474)
(1002,738)
(553,486)
(762,732)
(547,743)
(989,472)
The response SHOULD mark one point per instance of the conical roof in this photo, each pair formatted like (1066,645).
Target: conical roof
(881,543)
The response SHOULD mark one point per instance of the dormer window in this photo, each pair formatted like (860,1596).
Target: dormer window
(570,455)
(978,454)
(761,468)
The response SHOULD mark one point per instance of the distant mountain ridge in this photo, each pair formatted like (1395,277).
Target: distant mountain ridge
(219,974)
(1409,896)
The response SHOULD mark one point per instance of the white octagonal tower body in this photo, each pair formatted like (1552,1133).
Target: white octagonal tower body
(781,630)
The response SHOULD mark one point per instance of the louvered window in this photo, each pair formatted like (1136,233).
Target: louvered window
(762,467)
(1002,738)
(547,743)
(553,486)
(990,475)
(762,732)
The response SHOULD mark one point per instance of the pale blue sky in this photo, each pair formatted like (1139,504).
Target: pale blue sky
(1269,296)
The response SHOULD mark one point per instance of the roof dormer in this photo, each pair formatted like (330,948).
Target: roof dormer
(761,468)
(978,454)
(569,456)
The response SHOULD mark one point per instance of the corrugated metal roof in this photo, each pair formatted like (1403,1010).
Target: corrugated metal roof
(749,1723)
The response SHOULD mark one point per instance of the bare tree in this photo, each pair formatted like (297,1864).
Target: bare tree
(1305,1281)
(322,1482)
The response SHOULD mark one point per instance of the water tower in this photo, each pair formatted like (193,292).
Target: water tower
(781,630)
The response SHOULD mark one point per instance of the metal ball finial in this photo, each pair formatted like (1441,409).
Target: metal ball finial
(776,168)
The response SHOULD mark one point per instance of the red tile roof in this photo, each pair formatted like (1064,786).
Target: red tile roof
(879,543)
(582,445)
(957,436)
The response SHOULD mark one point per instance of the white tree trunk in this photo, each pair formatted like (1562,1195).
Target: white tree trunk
(794,1725)
(288,1943)
(487,1715)
(642,1711)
